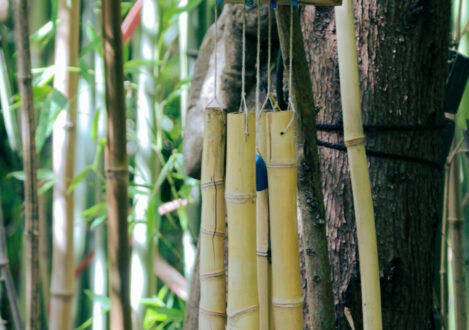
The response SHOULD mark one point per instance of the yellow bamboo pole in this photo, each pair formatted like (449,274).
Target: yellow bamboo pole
(354,140)
(456,238)
(212,231)
(264,267)
(287,298)
(63,149)
(240,196)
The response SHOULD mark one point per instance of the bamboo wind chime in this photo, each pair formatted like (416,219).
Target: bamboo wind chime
(264,283)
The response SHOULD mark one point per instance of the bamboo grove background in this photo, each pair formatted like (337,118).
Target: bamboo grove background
(160,47)
(160,43)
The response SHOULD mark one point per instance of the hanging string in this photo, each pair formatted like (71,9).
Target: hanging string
(215,73)
(243,105)
(258,72)
(269,55)
(291,106)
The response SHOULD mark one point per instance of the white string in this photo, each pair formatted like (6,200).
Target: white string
(215,74)
(243,105)
(258,72)
(291,106)
(269,50)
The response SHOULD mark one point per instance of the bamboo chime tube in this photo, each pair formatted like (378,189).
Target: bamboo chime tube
(264,267)
(287,298)
(212,231)
(354,140)
(456,225)
(240,196)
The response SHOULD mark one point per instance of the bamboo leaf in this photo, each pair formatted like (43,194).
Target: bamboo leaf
(78,179)
(103,300)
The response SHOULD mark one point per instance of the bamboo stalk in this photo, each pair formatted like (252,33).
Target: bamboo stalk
(319,300)
(287,300)
(456,236)
(116,167)
(354,140)
(212,232)
(63,151)
(444,255)
(143,283)
(264,266)
(29,164)
(5,276)
(240,196)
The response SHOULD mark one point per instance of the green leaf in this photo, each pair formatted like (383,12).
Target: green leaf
(78,179)
(103,300)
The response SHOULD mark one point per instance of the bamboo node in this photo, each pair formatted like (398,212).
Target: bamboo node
(240,198)
(263,254)
(209,184)
(282,165)
(64,295)
(243,312)
(212,233)
(355,141)
(456,219)
(212,313)
(211,275)
(286,303)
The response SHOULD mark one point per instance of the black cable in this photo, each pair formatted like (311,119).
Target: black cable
(381,154)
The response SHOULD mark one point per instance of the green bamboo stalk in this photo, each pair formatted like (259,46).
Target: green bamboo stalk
(146,167)
(116,167)
(29,164)
(456,237)
(354,139)
(63,153)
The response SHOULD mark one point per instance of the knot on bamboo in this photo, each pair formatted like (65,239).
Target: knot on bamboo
(212,313)
(209,184)
(212,232)
(240,198)
(287,303)
(355,141)
(242,313)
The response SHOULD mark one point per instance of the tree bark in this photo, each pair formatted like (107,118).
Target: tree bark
(29,164)
(318,307)
(116,163)
(402,48)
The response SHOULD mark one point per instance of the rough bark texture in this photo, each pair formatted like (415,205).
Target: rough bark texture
(117,173)
(402,47)
(318,307)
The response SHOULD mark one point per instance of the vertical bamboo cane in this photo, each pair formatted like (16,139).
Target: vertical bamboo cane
(117,172)
(264,267)
(63,145)
(212,231)
(354,140)
(456,236)
(240,195)
(287,301)
(444,255)
(29,163)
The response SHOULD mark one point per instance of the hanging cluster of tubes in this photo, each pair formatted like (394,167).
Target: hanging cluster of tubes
(260,293)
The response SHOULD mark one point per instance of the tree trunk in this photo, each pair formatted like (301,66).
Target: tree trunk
(402,48)
(116,167)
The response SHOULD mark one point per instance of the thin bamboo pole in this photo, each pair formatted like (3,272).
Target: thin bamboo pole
(29,163)
(444,255)
(63,153)
(212,232)
(456,237)
(264,266)
(116,167)
(354,140)
(287,300)
(240,196)
(143,283)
